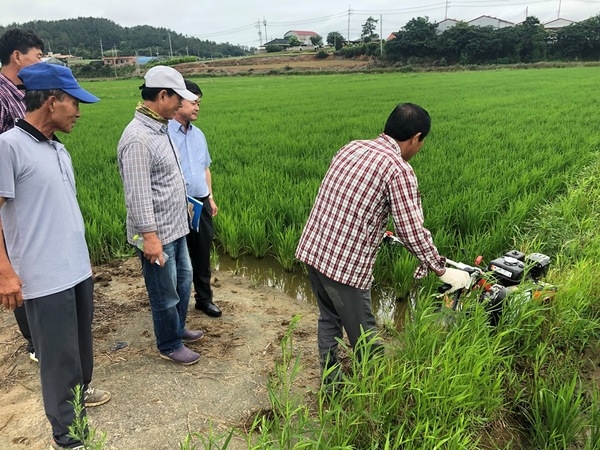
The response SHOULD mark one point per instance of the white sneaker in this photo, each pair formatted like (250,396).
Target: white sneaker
(33,357)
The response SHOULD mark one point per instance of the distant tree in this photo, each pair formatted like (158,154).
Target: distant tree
(273,48)
(418,39)
(368,29)
(336,39)
(83,37)
(531,37)
(294,41)
(317,40)
(579,40)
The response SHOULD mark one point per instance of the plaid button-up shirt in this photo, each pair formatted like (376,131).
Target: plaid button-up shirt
(367,182)
(12,105)
(155,194)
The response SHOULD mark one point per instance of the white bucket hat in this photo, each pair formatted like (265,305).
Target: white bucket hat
(165,77)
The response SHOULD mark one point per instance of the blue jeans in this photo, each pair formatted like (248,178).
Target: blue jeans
(169,290)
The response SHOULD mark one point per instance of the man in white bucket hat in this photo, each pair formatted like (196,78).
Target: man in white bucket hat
(156,201)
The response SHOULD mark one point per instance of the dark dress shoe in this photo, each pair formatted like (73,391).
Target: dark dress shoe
(209,308)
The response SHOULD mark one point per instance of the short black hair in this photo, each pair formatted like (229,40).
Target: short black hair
(18,39)
(151,94)
(406,120)
(193,87)
(35,99)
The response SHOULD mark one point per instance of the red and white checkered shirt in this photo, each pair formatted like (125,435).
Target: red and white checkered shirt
(367,182)
(12,105)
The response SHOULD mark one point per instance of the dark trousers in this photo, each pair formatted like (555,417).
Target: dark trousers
(61,328)
(340,307)
(200,245)
(21,317)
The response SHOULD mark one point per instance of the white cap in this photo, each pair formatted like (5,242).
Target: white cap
(165,77)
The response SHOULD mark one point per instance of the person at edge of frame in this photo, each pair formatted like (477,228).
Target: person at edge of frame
(367,181)
(195,162)
(19,48)
(49,270)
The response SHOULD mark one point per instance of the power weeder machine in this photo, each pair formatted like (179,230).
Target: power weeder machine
(494,282)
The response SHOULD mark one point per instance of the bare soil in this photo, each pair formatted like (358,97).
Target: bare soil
(155,403)
(300,62)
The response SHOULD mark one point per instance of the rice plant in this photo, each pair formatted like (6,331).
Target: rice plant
(284,246)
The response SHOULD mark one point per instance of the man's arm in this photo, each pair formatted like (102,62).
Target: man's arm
(11,295)
(407,213)
(135,167)
(213,205)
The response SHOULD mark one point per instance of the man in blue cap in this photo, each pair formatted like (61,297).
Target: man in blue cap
(18,48)
(49,268)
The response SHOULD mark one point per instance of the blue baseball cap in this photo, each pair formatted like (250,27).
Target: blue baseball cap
(43,77)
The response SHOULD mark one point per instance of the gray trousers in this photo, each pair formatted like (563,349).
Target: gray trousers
(61,328)
(341,307)
(21,317)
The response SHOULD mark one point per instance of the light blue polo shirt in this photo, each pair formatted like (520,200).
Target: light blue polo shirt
(41,219)
(194,156)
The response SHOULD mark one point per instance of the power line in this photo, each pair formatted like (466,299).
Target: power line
(315,20)
(220,33)
(403,10)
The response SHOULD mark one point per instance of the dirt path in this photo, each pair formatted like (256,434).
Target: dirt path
(156,403)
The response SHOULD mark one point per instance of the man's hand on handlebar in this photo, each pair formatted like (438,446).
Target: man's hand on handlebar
(457,279)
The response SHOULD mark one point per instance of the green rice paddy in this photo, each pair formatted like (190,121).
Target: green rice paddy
(502,143)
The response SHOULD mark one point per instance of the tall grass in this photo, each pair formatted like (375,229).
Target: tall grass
(451,381)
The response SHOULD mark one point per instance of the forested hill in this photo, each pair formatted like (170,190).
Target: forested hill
(88,36)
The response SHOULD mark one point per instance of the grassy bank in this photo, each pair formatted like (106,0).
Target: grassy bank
(460,384)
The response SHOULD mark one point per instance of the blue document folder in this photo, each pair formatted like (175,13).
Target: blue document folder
(194,210)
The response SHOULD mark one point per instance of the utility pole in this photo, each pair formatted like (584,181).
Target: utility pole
(259,32)
(187,52)
(170,47)
(349,12)
(265,24)
(137,64)
(381,34)
(446,15)
(559,4)
(101,49)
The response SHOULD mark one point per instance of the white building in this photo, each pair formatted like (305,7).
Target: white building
(445,24)
(489,21)
(303,36)
(558,23)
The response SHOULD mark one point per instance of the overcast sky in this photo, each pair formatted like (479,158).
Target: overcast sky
(236,21)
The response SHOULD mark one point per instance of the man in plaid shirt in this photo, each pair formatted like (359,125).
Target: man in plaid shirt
(19,48)
(156,202)
(367,181)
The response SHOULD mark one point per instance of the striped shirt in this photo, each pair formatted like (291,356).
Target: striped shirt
(154,187)
(367,182)
(12,105)
(42,222)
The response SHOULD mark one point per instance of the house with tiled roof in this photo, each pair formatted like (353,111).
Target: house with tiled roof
(283,43)
(302,36)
